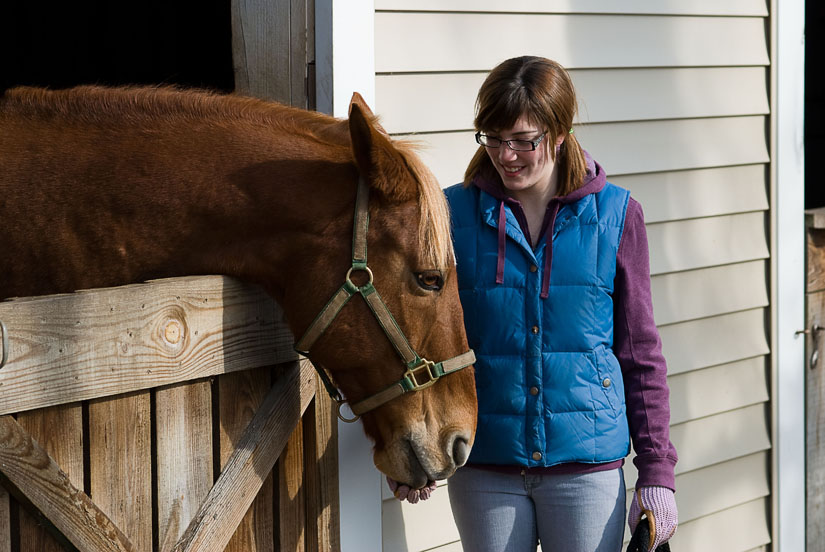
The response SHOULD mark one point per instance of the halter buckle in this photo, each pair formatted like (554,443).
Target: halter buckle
(418,372)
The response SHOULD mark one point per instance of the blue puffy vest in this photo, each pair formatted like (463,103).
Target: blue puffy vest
(549,387)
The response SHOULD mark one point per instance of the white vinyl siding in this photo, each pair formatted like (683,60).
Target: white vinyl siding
(673,103)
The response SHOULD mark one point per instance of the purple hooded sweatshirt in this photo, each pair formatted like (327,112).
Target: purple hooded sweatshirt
(636,341)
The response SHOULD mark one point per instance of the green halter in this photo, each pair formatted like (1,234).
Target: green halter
(420,373)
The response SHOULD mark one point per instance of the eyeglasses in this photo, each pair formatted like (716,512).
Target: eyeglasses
(515,145)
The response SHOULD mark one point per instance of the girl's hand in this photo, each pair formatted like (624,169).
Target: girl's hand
(404,492)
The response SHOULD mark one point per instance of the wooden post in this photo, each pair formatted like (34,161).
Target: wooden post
(815,381)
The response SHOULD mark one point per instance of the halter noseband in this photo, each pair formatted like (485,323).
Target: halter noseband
(420,373)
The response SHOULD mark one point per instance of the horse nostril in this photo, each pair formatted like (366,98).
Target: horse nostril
(461,451)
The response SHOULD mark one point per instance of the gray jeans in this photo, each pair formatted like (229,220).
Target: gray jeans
(502,512)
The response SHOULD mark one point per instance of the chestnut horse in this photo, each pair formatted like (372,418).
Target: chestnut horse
(103,187)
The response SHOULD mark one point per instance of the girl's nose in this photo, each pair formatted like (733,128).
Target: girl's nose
(505,153)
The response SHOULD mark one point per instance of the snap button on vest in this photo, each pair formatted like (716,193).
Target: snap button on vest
(533,268)
(537,456)
(534,390)
(534,329)
(606,382)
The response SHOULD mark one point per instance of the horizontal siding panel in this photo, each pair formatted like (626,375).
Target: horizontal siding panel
(743,431)
(429,42)
(652,146)
(711,341)
(682,296)
(446,101)
(705,242)
(671,7)
(402,523)
(709,391)
(734,530)
(722,486)
(628,148)
(687,194)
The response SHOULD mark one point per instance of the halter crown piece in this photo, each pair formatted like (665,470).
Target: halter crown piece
(420,373)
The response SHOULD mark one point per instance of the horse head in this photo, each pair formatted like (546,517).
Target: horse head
(384,350)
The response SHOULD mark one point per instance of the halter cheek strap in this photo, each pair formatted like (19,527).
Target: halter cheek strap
(420,373)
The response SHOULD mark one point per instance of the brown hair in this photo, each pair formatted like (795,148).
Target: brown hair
(541,90)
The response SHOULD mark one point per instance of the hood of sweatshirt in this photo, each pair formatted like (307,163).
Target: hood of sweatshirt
(594,181)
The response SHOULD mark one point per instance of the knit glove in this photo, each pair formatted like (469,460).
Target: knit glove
(412,496)
(659,505)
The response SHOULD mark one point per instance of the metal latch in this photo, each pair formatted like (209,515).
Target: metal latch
(814,331)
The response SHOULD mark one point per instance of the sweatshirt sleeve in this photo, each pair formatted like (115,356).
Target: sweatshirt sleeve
(638,348)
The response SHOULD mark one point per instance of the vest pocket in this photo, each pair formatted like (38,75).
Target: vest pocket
(610,379)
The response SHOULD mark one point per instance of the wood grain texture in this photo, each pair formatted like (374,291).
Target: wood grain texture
(815,258)
(59,431)
(815,425)
(183,429)
(33,477)
(255,455)
(120,463)
(105,342)
(260,49)
(5,521)
(240,395)
(321,446)
(292,493)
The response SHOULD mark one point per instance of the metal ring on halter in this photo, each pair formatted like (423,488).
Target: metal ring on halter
(5,344)
(366,269)
(344,418)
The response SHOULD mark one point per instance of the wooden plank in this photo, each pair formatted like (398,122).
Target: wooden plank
(815,425)
(673,7)
(59,431)
(291,493)
(709,391)
(438,102)
(32,476)
(255,454)
(682,296)
(740,528)
(707,242)
(575,41)
(183,427)
(298,23)
(711,341)
(668,145)
(120,463)
(321,441)
(106,342)
(815,247)
(683,194)
(5,521)
(240,395)
(260,48)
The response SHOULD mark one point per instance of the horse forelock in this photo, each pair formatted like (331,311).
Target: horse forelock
(434,237)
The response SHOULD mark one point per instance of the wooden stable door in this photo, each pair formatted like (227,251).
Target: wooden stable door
(815,380)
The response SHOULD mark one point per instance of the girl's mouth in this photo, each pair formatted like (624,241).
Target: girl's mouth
(512,171)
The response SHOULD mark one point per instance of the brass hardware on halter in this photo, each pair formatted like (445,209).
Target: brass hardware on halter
(411,375)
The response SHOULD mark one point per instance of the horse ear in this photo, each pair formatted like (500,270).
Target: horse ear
(375,155)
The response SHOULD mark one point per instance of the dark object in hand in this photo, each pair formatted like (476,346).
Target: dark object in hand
(640,541)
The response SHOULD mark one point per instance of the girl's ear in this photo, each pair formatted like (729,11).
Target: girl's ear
(375,155)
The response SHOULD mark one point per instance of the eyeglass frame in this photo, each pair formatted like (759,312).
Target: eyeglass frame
(533,143)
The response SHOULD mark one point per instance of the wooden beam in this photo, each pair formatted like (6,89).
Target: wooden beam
(321,442)
(37,482)
(98,343)
(253,459)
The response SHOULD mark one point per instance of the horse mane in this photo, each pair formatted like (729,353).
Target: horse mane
(139,105)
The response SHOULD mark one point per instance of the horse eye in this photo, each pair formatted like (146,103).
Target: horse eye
(431,280)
